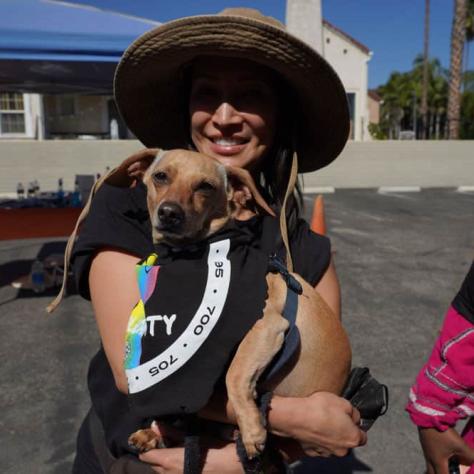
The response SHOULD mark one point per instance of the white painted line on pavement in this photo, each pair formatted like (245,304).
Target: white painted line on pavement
(465,189)
(319,190)
(8,195)
(399,189)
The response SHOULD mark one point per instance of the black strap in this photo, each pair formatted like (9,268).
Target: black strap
(292,338)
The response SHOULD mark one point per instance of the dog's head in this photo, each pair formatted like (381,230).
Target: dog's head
(191,196)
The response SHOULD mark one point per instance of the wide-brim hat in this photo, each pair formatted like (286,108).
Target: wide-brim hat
(148,83)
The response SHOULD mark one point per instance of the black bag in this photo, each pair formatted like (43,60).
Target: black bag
(368,395)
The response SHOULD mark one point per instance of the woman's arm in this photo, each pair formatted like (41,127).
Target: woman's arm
(322,420)
(114,293)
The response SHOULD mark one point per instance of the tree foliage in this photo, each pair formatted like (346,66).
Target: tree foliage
(401,97)
(401,102)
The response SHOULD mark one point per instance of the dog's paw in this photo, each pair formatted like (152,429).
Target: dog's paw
(254,441)
(144,440)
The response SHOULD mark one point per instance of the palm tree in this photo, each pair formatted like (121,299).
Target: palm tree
(458,36)
(469,32)
(437,87)
(397,96)
(424,95)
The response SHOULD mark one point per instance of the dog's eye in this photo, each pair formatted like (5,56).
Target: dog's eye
(160,177)
(205,186)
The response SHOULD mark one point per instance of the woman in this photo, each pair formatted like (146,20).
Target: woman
(239,88)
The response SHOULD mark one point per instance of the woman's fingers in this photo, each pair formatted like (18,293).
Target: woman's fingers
(355,415)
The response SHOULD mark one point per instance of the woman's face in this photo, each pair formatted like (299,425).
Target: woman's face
(232,107)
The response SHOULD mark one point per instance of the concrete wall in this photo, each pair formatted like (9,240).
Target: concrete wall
(399,163)
(47,161)
(304,20)
(374,109)
(361,165)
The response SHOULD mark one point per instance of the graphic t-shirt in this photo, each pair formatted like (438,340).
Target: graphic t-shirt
(119,220)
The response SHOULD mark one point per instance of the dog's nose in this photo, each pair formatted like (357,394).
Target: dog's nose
(170,215)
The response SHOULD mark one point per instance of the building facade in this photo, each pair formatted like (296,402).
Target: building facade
(346,55)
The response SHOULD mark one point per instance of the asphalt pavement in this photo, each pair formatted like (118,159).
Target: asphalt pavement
(400,260)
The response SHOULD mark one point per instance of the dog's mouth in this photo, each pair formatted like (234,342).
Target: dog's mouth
(177,239)
(169,228)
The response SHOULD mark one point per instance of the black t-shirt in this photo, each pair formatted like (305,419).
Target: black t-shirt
(464,300)
(119,219)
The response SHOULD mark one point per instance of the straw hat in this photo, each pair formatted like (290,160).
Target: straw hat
(149,91)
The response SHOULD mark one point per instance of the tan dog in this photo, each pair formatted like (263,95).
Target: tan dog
(191,196)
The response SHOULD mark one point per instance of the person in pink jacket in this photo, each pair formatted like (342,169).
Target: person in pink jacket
(443,392)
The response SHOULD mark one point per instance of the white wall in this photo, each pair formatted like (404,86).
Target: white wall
(361,164)
(297,14)
(48,160)
(350,63)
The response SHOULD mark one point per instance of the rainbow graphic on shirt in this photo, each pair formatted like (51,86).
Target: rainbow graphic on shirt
(147,273)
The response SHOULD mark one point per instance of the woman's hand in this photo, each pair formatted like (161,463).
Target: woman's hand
(220,456)
(323,423)
(440,446)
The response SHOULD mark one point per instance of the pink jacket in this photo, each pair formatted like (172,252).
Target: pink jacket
(444,389)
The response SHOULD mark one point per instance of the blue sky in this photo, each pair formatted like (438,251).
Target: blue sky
(391,29)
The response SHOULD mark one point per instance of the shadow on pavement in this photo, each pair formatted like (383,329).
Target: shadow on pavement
(17,272)
(346,465)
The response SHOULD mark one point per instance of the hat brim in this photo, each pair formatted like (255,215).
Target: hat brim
(148,82)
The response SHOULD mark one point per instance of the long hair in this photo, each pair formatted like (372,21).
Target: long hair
(277,166)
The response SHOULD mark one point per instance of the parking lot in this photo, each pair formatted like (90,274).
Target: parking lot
(400,260)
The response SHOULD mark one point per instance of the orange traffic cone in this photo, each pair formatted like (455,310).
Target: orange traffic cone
(318,221)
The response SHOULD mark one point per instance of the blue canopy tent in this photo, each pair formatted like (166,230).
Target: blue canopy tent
(50,46)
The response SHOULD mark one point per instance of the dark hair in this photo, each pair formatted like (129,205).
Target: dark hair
(277,167)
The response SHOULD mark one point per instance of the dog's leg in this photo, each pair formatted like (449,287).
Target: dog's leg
(254,354)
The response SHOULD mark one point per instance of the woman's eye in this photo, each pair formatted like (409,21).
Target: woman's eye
(205,186)
(251,94)
(160,177)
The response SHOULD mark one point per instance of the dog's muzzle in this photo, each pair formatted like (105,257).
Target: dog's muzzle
(171,216)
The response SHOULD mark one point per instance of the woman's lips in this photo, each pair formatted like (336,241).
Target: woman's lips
(227,147)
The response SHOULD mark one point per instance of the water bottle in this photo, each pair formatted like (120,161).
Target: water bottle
(36,190)
(20,191)
(76,199)
(38,277)
(60,193)
(31,189)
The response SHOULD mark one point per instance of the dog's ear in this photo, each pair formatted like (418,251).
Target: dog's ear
(132,169)
(244,188)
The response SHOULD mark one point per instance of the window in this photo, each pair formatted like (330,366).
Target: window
(351,102)
(12,113)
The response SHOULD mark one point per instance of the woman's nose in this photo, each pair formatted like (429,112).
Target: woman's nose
(226,114)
